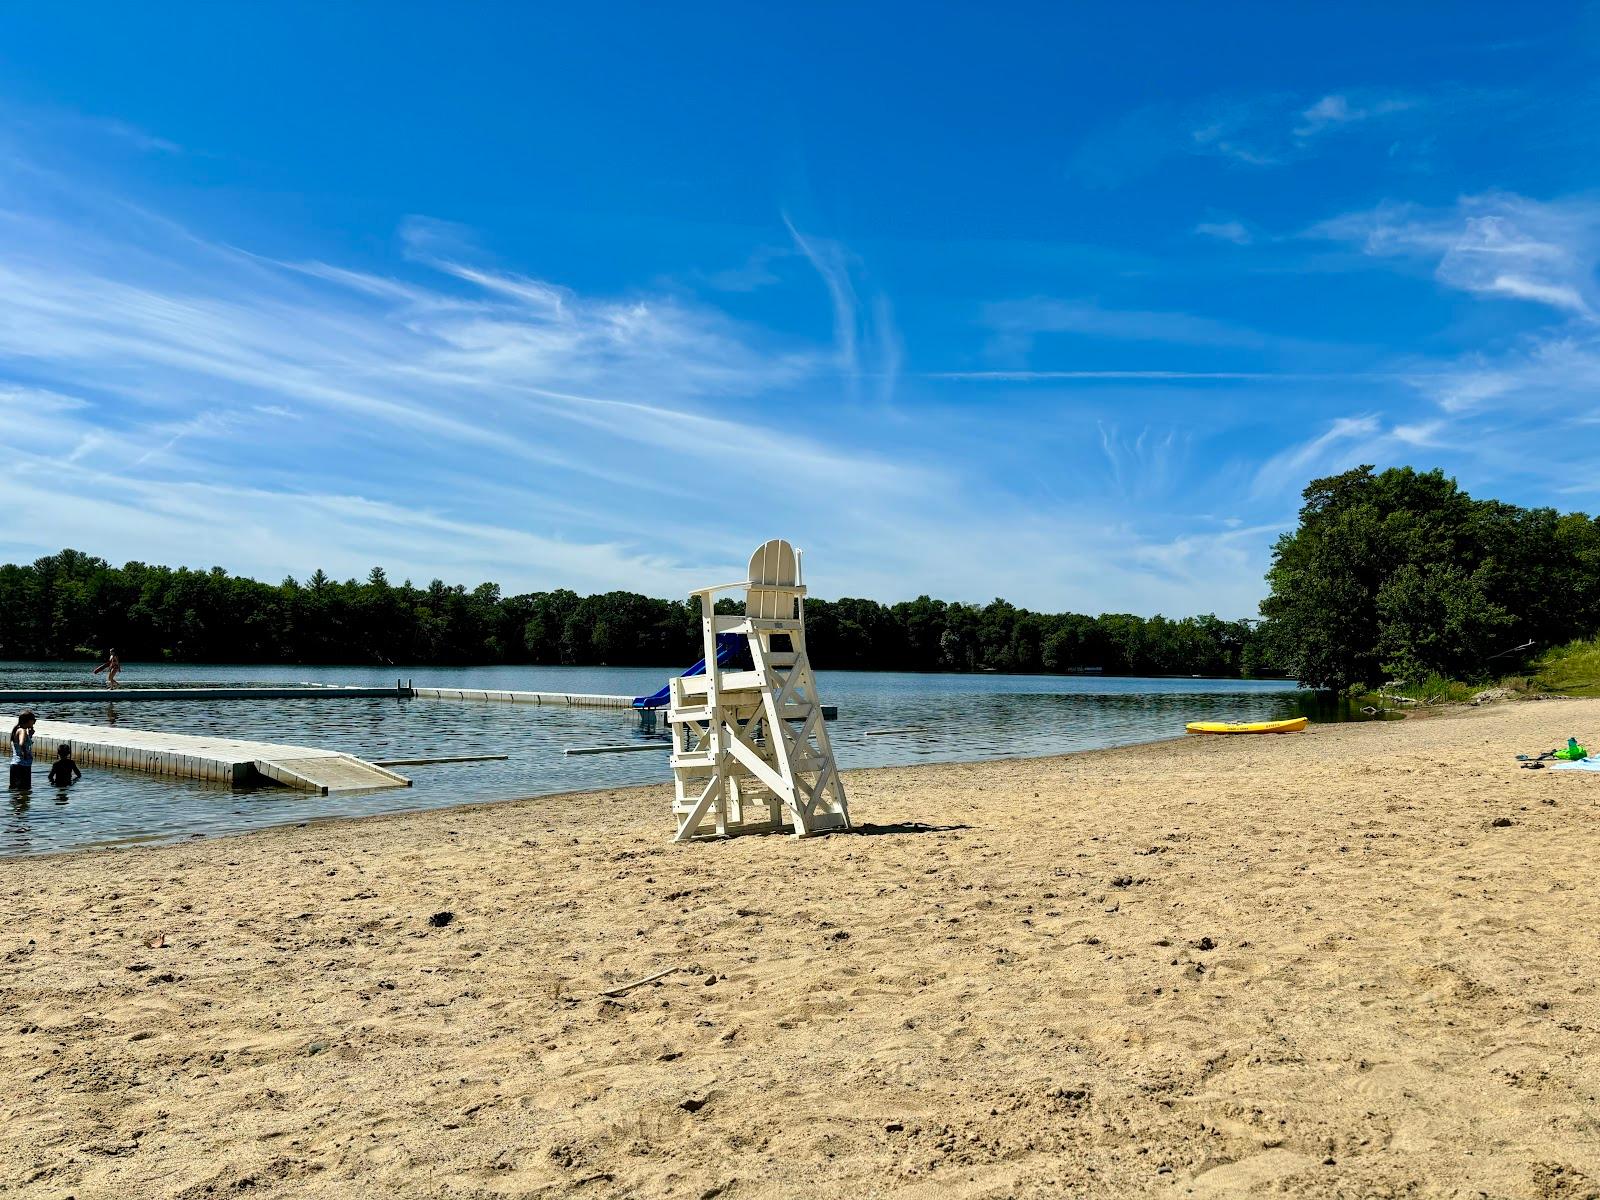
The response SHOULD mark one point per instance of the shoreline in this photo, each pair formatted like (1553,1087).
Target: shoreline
(1353,961)
(109,810)
(160,841)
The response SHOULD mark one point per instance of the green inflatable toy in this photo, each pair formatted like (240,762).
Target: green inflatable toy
(1572,752)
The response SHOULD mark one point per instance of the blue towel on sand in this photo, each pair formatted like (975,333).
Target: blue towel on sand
(1583,764)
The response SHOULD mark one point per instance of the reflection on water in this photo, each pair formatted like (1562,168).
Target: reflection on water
(884,719)
(1324,707)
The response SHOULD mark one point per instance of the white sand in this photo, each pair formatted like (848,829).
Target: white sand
(1308,965)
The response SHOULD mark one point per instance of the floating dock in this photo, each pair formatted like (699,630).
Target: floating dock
(117,695)
(570,699)
(830,712)
(225,760)
(305,691)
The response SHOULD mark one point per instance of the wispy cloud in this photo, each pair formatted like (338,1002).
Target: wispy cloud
(1140,376)
(453,417)
(105,133)
(1494,406)
(138,138)
(203,424)
(1242,131)
(756,272)
(1225,231)
(175,365)
(828,257)
(1495,244)
(1141,463)
(181,521)
(1016,323)
(444,411)
(1267,130)
(864,333)
(1337,110)
(1191,559)
(1020,320)
(1502,246)
(450,416)
(1345,442)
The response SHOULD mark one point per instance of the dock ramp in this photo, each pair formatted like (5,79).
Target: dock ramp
(225,760)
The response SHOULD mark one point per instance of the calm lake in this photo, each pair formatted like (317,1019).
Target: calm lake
(932,718)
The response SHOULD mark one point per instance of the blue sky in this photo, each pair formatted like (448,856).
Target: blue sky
(1032,300)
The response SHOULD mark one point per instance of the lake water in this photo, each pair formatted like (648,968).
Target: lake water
(937,718)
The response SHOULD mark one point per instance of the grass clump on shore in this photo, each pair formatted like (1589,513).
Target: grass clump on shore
(1431,690)
(1571,670)
(1436,689)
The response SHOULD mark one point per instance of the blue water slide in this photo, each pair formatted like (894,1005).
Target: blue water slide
(731,648)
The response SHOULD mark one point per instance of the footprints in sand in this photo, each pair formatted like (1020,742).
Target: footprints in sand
(1238,1177)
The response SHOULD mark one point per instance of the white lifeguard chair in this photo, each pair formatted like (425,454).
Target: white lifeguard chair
(750,748)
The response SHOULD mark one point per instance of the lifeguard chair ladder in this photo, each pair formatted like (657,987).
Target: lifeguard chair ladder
(750,748)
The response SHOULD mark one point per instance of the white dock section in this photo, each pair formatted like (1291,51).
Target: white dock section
(304,691)
(226,760)
(571,699)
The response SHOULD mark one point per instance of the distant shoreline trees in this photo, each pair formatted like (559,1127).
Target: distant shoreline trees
(62,605)
(1395,574)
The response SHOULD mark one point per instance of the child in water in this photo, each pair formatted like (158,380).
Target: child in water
(64,772)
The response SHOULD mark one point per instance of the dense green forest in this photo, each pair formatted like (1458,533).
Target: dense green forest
(1401,574)
(67,604)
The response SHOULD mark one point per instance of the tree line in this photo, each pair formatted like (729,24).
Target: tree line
(1401,574)
(1392,574)
(71,604)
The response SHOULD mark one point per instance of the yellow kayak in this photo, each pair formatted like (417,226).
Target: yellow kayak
(1291,726)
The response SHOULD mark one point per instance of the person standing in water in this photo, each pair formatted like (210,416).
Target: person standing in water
(64,772)
(22,751)
(112,667)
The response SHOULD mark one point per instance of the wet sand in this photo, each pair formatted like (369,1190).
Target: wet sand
(1361,961)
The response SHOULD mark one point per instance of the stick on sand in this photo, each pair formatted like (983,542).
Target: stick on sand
(628,987)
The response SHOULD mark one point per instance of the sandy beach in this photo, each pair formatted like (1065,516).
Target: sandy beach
(1360,962)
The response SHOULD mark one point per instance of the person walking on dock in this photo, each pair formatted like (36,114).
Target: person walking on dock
(22,751)
(112,667)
